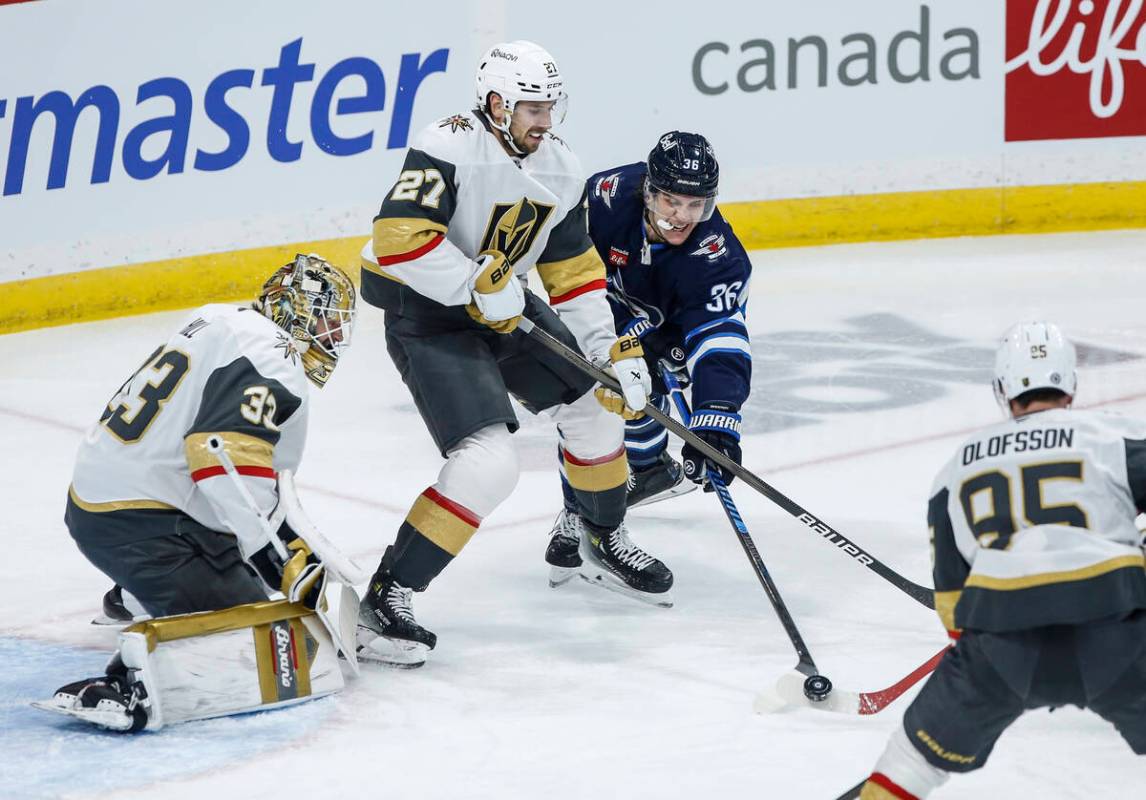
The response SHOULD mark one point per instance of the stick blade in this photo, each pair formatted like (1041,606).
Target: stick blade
(788,693)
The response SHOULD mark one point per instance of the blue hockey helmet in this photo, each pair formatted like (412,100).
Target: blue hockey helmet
(683,164)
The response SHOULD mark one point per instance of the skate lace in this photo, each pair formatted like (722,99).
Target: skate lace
(400,601)
(631,480)
(567,525)
(627,552)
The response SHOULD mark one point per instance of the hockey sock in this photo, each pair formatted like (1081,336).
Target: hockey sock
(600,486)
(435,530)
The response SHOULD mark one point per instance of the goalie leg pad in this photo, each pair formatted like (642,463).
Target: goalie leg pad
(251,657)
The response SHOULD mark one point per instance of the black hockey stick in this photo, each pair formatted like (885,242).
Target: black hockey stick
(918,593)
(797,688)
(816,687)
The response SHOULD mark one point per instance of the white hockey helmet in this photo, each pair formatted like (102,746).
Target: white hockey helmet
(518,71)
(1033,355)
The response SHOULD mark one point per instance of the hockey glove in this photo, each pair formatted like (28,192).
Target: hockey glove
(628,362)
(719,428)
(662,347)
(498,298)
(299,578)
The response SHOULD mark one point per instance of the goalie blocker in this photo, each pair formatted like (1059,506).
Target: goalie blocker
(252,657)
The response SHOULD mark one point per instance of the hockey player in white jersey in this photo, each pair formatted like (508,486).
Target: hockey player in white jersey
(1039,573)
(484,197)
(172,497)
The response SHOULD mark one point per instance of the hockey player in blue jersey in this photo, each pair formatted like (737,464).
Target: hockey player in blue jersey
(678,279)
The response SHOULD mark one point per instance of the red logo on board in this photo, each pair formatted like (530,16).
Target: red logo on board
(1075,69)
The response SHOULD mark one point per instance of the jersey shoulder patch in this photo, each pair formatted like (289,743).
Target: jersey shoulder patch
(711,247)
(449,138)
(268,347)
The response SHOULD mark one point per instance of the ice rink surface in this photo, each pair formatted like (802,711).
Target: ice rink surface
(871,363)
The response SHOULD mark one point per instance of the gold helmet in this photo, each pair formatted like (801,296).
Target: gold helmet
(313,301)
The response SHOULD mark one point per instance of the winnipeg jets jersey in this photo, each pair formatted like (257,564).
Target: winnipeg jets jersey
(696,293)
(460,193)
(228,372)
(1033,523)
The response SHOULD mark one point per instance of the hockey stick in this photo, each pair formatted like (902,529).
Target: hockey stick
(792,688)
(342,629)
(817,687)
(918,593)
(789,691)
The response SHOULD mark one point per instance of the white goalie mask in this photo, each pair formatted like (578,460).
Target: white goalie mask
(521,71)
(1033,355)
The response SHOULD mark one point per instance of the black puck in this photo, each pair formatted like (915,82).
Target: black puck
(817,688)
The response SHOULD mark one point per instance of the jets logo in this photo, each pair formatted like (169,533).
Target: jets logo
(712,247)
(606,188)
(513,227)
(457,123)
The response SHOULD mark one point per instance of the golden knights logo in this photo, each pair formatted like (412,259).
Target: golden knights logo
(513,227)
(457,122)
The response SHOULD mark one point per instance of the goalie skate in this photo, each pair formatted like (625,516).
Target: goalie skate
(120,609)
(98,701)
(611,560)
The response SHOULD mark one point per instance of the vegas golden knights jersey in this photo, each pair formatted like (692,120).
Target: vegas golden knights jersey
(460,193)
(1033,523)
(228,372)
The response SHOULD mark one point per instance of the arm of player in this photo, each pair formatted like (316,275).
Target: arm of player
(246,411)
(574,278)
(410,243)
(949,568)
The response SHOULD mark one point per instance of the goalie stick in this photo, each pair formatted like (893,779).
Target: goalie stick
(920,594)
(815,687)
(335,565)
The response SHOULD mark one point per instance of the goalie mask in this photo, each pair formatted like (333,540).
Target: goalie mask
(683,176)
(1033,355)
(314,302)
(520,71)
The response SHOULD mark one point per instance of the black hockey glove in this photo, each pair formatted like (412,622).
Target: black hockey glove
(299,578)
(719,428)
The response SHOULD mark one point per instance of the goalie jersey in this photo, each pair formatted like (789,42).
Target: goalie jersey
(460,193)
(695,294)
(229,372)
(1032,523)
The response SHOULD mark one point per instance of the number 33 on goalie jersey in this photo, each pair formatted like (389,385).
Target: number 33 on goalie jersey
(1032,523)
(229,372)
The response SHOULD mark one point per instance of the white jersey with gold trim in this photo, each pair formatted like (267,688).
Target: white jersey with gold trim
(461,193)
(1033,522)
(228,372)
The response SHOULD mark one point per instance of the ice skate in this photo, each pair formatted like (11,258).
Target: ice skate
(612,561)
(657,482)
(104,701)
(387,631)
(562,555)
(120,608)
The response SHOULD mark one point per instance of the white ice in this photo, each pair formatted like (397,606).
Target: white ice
(577,692)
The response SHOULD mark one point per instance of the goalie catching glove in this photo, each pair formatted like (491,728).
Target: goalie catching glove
(627,359)
(498,298)
(720,428)
(300,578)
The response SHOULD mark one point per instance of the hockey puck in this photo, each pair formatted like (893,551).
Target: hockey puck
(817,688)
